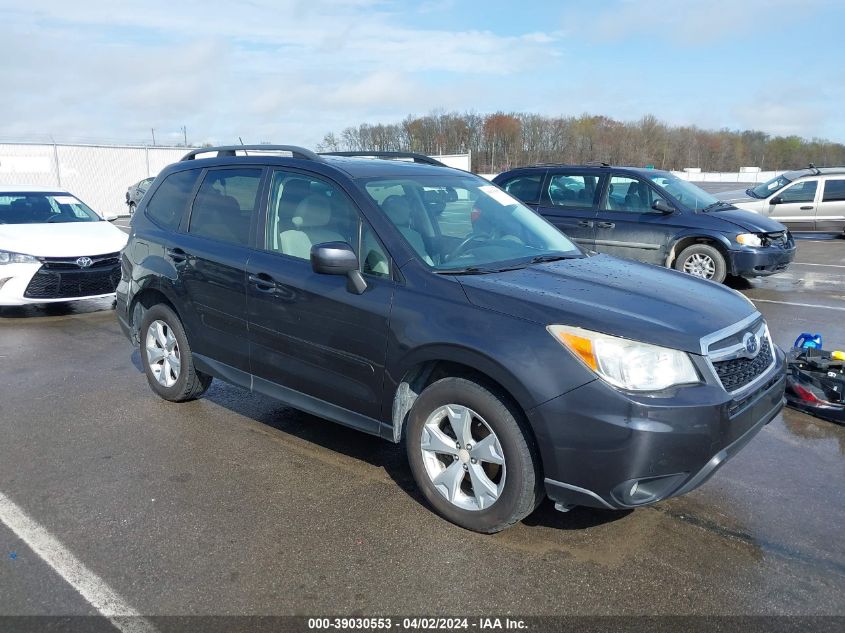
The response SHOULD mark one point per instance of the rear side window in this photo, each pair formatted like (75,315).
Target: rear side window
(168,203)
(526,188)
(226,204)
(834,190)
(572,190)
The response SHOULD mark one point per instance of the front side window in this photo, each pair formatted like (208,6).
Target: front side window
(834,190)
(225,205)
(306,210)
(169,201)
(804,191)
(525,188)
(43,208)
(477,226)
(685,192)
(572,190)
(630,195)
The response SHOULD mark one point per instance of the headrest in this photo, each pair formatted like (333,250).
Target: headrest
(313,211)
(397,209)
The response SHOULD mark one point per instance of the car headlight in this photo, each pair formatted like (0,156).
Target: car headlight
(749,239)
(7,257)
(627,364)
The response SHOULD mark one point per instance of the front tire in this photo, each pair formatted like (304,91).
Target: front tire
(131,209)
(704,261)
(472,456)
(167,359)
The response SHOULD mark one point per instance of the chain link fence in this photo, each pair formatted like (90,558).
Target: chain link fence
(97,174)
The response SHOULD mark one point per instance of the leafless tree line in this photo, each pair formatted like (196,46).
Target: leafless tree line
(502,141)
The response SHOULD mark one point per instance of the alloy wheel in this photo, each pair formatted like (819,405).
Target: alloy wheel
(700,265)
(163,354)
(463,457)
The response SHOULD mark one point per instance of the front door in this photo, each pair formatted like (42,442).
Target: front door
(309,332)
(795,205)
(627,225)
(212,257)
(568,201)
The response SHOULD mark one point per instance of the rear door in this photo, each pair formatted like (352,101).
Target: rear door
(308,331)
(830,213)
(796,205)
(213,255)
(627,225)
(568,200)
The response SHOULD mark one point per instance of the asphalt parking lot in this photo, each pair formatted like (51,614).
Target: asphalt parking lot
(234,504)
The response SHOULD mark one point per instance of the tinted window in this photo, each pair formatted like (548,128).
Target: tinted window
(569,190)
(306,210)
(225,205)
(800,192)
(374,259)
(630,194)
(168,203)
(834,190)
(526,188)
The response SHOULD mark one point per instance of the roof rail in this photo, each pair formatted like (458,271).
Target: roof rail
(230,150)
(417,158)
(814,169)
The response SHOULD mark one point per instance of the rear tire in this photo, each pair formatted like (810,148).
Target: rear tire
(473,456)
(703,261)
(167,359)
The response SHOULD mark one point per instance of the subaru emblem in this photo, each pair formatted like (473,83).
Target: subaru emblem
(751,344)
(84,262)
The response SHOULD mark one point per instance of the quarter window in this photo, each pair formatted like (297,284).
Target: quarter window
(630,195)
(834,190)
(226,204)
(572,190)
(168,203)
(804,191)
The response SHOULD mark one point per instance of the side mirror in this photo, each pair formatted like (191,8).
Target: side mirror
(338,258)
(776,200)
(662,206)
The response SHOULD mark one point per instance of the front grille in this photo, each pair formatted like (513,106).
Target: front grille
(65,283)
(69,263)
(736,373)
(777,238)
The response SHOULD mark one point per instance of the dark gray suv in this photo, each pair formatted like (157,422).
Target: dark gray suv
(424,305)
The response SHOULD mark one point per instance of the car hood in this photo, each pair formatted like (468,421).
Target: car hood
(734,195)
(748,220)
(618,297)
(62,239)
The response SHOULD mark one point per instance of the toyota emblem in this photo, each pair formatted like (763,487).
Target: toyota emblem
(751,344)
(84,262)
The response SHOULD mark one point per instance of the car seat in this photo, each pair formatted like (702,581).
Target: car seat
(310,222)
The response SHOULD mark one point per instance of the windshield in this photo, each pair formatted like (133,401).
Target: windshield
(684,192)
(769,187)
(41,208)
(465,223)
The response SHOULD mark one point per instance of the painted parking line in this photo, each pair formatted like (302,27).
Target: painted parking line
(89,585)
(825,265)
(799,305)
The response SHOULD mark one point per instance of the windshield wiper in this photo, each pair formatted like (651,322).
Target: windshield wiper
(539,259)
(718,203)
(469,270)
(750,192)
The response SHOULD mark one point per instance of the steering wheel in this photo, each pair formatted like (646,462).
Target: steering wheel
(464,245)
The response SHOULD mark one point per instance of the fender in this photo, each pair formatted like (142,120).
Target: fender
(714,236)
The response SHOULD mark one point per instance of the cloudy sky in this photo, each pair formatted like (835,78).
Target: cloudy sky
(288,71)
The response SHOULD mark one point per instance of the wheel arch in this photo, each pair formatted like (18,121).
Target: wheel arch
(143,300)
(719,242)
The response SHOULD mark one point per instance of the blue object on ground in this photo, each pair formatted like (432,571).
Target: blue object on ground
(809,341)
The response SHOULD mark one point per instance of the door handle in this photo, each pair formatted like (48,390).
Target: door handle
(177,255)
(263,282)
(809,208)
(605,225)
(587,223)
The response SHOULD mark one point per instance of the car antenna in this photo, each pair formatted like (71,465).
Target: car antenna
(246,153)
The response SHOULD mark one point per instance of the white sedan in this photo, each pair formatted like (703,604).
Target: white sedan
(54,248)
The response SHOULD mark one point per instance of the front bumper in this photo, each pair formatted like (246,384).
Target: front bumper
(759,262)
(16,278)
(608,449)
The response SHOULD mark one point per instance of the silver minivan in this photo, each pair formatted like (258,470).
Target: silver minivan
(811,199)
